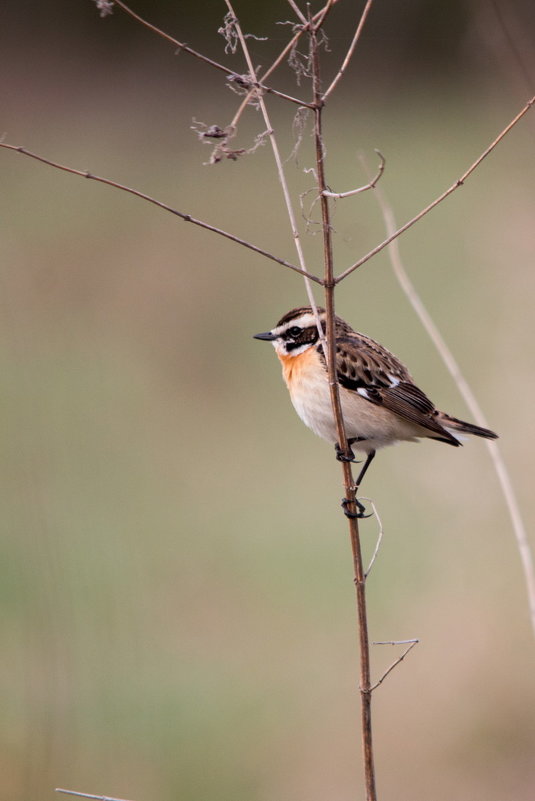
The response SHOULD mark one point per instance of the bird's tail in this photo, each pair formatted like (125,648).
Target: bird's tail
(454,425)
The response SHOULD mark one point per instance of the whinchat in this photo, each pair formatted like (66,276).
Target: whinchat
(381,405)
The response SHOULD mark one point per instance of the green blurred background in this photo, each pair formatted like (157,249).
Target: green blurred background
(177,601)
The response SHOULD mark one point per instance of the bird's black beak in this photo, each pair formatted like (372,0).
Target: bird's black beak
(268,336)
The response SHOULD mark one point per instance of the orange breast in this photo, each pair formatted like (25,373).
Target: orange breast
(294,368)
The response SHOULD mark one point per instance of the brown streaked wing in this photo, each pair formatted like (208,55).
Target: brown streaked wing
(363,364)
(410,402)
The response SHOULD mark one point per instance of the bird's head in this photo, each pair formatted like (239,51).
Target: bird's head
(297,331)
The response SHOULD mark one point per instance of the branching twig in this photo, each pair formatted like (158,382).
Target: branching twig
(397,661)
(350,52)
(470,399)
(276,63)
(459,182)
(371,185)
(195,53)
(165,207)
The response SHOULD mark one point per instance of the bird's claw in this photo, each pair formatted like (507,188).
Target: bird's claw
(359,514)
(345,456)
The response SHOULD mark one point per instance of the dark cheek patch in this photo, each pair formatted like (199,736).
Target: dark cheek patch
(307,337)
(290,345)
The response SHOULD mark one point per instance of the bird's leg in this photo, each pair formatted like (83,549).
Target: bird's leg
(347,456)
(367,463)
(360,507)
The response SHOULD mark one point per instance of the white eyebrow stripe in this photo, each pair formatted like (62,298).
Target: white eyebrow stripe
(306,320)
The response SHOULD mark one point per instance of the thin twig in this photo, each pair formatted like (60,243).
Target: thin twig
(195,53)
(280,170)
(319,20)
(89,795)
(297,11)
(165,207)
(459,182)
(395,642)
(379,536)
(350,52)
(371,185)
(397,661)
(504,479)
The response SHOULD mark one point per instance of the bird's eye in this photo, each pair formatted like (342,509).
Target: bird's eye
(294,331)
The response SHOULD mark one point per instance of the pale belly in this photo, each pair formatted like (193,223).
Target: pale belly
(310,395)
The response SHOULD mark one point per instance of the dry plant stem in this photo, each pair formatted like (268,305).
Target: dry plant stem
(186,217)
(350,489)
(89,795)
(196,54)
(280,171)
(350,52)
(459,182)
(465,390)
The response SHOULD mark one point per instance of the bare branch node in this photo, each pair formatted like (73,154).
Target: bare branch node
(221,150)
(205,131)
(245,85)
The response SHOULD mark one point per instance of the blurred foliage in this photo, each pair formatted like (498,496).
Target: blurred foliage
(175,580)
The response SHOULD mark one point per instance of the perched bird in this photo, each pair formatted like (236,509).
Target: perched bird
(381,405)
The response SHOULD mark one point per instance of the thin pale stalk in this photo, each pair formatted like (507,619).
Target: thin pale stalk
(89,795)
(350,52)
(379,536)
(350,489)
(459,182)
(183,216)
(471,401)
(280,170)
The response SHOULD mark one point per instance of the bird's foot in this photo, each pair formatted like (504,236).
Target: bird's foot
(346,456)
(359,514)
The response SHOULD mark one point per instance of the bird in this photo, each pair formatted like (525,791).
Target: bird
(381,404)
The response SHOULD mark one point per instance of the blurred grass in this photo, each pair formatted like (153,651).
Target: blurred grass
(177,600)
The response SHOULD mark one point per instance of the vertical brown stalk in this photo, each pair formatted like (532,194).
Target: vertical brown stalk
(350,490)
